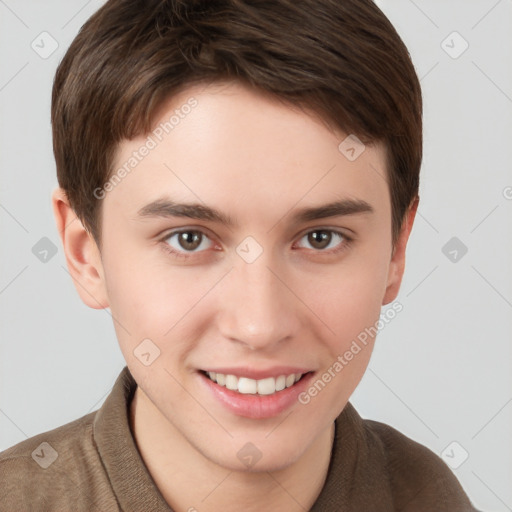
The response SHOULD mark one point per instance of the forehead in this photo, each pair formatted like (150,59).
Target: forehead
(226,144)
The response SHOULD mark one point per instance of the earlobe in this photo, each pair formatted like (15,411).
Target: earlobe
(397,264)
(82,254)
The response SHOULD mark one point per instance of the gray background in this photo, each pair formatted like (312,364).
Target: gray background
(440,372)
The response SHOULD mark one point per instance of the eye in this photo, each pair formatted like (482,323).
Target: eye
(189,240)
(324,239)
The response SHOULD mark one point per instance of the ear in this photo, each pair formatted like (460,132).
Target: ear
(82,254)
(397,264)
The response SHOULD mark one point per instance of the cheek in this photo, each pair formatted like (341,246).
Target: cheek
(142,289)
(150,300)
(350,299)
(350,305)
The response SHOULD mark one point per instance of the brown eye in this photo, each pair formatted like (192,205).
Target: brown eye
(321,239)
(187,241)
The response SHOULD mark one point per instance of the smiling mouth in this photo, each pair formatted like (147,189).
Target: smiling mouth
(246,386)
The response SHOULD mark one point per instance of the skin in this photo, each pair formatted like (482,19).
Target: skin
(258,161)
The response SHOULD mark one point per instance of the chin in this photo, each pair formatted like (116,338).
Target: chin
(266,464)
(255,457)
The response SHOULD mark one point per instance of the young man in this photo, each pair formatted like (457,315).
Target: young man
(238,182)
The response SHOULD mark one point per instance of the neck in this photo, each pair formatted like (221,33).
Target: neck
(190,482)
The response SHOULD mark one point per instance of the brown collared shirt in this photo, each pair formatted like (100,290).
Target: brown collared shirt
(92,464)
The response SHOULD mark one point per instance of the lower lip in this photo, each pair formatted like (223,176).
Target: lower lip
(257,406)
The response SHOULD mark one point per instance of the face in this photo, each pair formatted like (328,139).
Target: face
(220,256)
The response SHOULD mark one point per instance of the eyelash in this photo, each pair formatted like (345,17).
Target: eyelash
(343,245)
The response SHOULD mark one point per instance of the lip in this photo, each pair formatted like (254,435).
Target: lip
(258,374)
(256,406)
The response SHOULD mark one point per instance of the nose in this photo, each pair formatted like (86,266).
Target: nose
(257,307)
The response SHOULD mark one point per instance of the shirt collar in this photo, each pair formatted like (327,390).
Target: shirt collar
(130,479)
(135,489)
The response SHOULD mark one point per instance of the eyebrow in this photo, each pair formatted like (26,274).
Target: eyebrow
(167,208)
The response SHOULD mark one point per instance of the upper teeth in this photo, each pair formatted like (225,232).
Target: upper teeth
(244,385)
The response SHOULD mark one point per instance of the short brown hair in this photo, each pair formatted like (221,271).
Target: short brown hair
(341,59)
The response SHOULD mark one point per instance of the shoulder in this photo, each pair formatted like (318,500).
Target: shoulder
(54,468)
(419,479)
